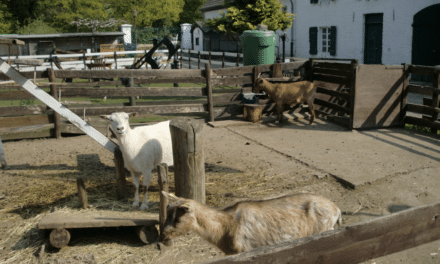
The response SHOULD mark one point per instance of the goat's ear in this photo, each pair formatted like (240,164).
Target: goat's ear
(105,117)
(185,206)
(171,197)
(132,114)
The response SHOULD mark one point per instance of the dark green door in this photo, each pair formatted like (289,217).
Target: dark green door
(373,39)
(426,36)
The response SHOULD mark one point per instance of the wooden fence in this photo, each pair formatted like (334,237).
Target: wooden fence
(357,96)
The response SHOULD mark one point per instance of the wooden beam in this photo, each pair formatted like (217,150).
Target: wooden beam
(345,96)
(22,121)
(421,122)
(132,91)
(23,110)
(131,73)
(55,105)
(332,105)
(354,243)
(232,81)
(422,89)
(30,62)
(11,42)
(209,85)
(424,70)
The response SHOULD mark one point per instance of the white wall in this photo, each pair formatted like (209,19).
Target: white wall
(186,36)
(126,28)
(349,18)
(197,33)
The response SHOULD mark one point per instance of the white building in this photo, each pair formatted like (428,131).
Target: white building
(372,31)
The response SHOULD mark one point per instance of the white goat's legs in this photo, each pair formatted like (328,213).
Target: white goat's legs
(146,183)
(135,176)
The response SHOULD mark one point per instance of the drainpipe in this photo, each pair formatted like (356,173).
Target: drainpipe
(291,31)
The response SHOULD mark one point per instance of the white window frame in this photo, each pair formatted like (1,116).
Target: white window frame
(324,37)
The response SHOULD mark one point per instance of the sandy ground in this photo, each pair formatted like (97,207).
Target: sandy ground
(394,170)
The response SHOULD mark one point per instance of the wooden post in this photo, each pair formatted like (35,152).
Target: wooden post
(181,58)
(277,70)
(54,93)
(238,57)
(59,238)
(435,100)
(121,186)
(209,87)
(2,156)
(147,234)
(162,173)
(209,57)
(354,65)
(82,194)
(116,60)
(256,72)
(84,61)
(132,98)
(189,58)
(403,107)
(198,62)
(189,162)
(223,60)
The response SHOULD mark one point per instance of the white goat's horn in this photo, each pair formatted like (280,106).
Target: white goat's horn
(259,75)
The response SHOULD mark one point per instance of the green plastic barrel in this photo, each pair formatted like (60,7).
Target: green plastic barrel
(258,47)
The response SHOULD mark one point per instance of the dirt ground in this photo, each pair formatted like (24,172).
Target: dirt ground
(42,179)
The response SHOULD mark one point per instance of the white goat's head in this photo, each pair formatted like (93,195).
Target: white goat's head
(119,121)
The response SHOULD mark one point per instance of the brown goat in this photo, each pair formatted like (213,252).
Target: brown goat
(288,93)
(250,224)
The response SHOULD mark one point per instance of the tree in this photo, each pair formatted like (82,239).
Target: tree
(59,13)
(191,12)
(149,13)
(246,15)
(20,12)
(5,20)
(38,26)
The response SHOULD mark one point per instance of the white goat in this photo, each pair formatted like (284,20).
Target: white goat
(250,224)
(143,148)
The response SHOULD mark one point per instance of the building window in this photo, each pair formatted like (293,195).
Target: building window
(197,41)
(322,39)
(325,39)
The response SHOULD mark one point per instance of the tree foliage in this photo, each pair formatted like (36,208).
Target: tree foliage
(191,11)
(37,26)
(246,15)
(149,13)
(5,20)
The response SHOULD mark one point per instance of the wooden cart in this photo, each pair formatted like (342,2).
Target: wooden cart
(60,222)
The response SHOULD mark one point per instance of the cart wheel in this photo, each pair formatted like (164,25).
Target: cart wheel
(59,238)
(148,234)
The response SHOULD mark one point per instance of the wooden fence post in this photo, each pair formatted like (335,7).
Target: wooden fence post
(189,162)
(132,98)
(189,58)
(277,70)
(256,72)
(84,61)
(162,174)
(82,194)
(354,65)
(223,60)
(2,156)
(209,57)
(435,100)
(54,93)
(238,56)
(209,88)
(198,60)
(121,186)
(116,60)
(181,58)
(404,100)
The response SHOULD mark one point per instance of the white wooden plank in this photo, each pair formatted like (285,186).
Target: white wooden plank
(56,106)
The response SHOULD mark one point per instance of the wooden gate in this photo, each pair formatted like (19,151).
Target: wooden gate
(378,96)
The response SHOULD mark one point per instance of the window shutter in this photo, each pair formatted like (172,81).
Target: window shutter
(332,47)
(313,1)
(313,39)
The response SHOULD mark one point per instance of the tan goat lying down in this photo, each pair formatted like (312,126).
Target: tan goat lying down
(250,224)
(288,93)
